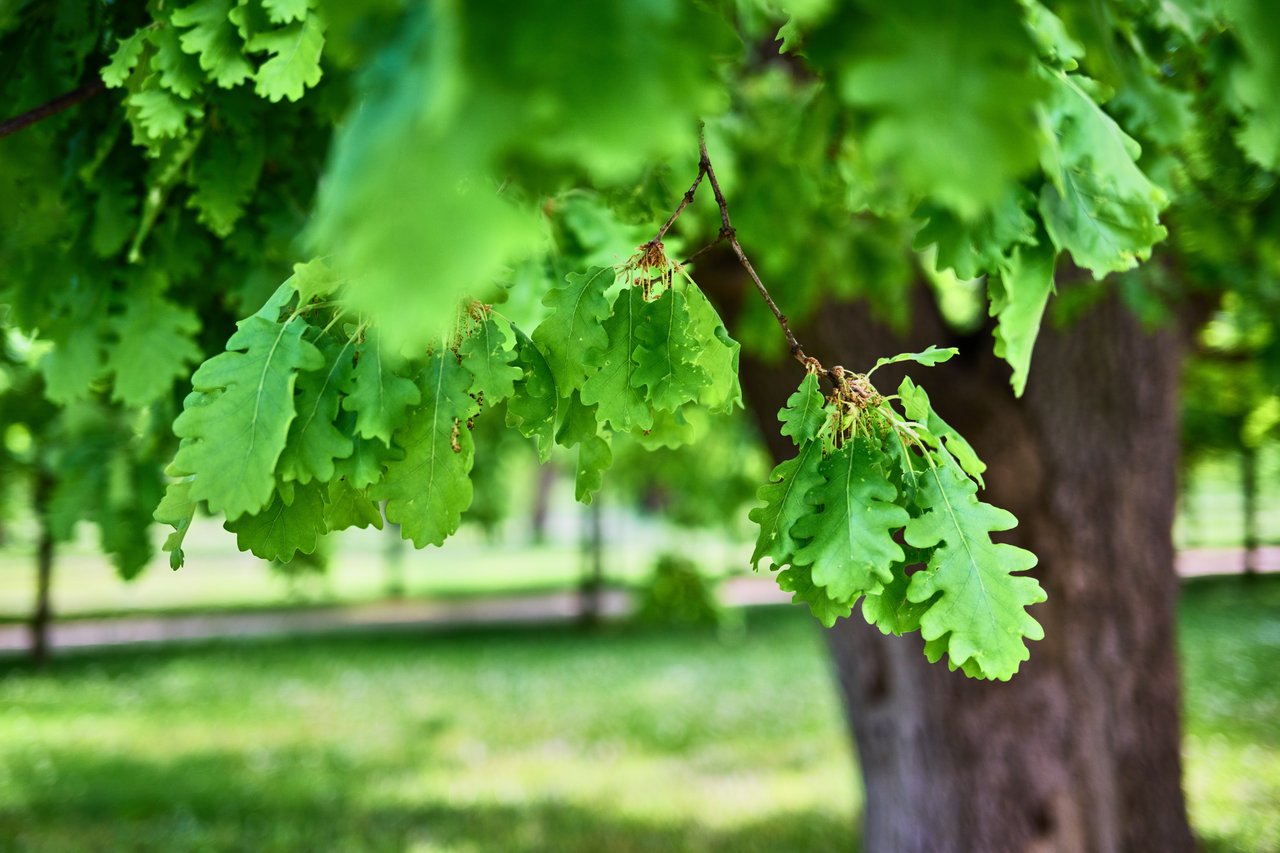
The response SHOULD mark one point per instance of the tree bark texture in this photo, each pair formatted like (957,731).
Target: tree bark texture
(1081,750)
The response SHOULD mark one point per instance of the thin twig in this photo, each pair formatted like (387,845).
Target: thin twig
(727,232)
(684,202)
(707,248)
(57,105)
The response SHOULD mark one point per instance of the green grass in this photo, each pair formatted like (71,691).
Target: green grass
(1230,645)
(634,739)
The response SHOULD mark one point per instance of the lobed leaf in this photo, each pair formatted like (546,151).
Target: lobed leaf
(532,409)
(488,352)
(805,413)
(378,392)
(315,442)
(238,433)
(849,530)
(613,387)
(428,490)
(666,353)
(213,38)
(980,605)
(292,522)
(575,326)
(785,502)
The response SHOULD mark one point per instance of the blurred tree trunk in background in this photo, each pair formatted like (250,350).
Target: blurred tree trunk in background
(393,551)
(591,587)
(545,480)
(1249,492)
(1081,750)
(42,613)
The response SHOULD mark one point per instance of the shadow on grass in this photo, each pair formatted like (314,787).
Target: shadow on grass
(316,800)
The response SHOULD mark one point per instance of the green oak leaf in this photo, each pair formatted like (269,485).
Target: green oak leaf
(850,537)
(284,11)
(314,440)
(805,413)
(162,114)
(785,503)
(177,70)
(581,428)
(364,466)
(974,248)
(622,403)
(666,356)
(428,490)
(224,174)
(575,326)
(488,353)
(125,57)
(154,344)
(379,394)
(937,431)
(238,434)
(284,527)
(947,92)
(1096,204)
(717,354)
(929,357)
(213,38)
(1255,79)
(1018,299)
(70,368)
(315,279)
(981,604)
(176,509)
(890,609)
(532,409)
(799,580)
(348,506)
(294,65)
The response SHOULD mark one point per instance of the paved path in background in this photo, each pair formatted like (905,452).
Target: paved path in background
(418,615)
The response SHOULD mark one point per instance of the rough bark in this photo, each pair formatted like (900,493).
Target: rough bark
(1080,752)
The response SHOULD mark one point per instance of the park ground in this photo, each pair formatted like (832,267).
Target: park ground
(512,738)
(627,738)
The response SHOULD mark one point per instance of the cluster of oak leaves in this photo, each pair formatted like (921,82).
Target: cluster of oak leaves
(306,425)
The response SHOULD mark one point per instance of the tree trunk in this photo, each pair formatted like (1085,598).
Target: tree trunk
(1080,751)
(1249,491)
(591,587)
(541,511)
(42,614)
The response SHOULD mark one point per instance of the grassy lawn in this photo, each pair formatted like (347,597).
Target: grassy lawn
(1230,643)
(631,740)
